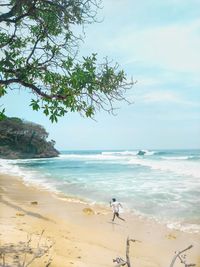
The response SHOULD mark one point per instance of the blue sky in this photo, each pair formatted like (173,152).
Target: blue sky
(155,42)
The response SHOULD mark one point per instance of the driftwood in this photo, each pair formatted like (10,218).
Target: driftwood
(119,260)
(24,254)
(178,255)
(182,258)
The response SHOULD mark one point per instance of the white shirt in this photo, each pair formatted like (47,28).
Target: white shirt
(115,206)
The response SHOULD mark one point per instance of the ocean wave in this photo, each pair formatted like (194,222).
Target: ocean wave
(107,155)
(181,157)
(191,228)
(120,153)
(29,176)
(184,227)
(138,186)
(176,158)
(178,167)
(88,157)
(10,167)
(147,152)
(129,153)
(194,158)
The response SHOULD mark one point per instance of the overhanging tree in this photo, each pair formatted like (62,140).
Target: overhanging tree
(38,52)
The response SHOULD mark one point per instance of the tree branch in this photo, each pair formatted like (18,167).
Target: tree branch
(11,13)
(6,16)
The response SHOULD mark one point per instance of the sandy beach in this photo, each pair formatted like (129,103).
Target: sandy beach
(74,233)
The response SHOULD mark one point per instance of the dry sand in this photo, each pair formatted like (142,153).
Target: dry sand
(80,234)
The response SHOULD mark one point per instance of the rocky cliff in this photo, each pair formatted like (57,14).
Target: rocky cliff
(22,139)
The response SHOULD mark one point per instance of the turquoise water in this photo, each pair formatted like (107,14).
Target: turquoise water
(164,185)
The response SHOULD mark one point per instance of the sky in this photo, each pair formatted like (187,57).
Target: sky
(157,43)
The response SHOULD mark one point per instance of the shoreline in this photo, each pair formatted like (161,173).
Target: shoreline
(187,227)
(83,234)
(164,206)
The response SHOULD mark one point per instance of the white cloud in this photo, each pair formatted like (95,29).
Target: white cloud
(159,96)
(167,97)
(174,47)
(143,81)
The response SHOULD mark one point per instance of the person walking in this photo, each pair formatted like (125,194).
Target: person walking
(115,205)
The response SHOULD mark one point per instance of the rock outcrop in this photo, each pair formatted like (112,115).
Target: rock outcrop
(22,139)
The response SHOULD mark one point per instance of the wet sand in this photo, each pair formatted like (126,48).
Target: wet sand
(74,233)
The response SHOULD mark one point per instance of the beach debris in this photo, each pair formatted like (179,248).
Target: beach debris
(25,253)
(182,257)
(88,211)
(34,203)
(119,260)
(171,236)
(20,214)
(178,255)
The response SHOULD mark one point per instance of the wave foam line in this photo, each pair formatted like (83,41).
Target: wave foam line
(178,167)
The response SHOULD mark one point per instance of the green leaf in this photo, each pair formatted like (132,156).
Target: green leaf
(89,112)
(2,115)
(46,111)
(35,104)
(40,53)
(2,90)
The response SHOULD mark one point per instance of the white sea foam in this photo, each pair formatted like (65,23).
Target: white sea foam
(143,189)
(29,177)
(120,153)
(174,225)
(106,155)
(129,153)
(176,158)
(90,157)
(178,167)
(184,227)
(9,167)
(149,153)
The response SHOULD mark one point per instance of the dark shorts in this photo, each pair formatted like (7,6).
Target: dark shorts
(116,213)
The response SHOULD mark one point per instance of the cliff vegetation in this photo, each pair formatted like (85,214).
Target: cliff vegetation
(23,139)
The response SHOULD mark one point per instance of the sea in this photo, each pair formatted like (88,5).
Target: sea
(160,185)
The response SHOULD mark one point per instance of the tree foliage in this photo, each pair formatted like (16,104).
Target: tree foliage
(39,52)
